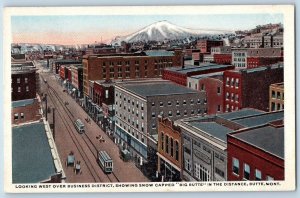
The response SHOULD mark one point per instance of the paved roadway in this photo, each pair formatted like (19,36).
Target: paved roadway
(84,146)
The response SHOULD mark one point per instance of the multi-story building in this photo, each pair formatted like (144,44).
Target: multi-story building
(256,153)
(34,155)
(264,40)
(25,111)
(243,58)
(250,87)
(205,45)
(57,64)
(276,97)
(221,54)
(204,141)
(146,64)
(138,103)
(77,79)
(169,150)
(179,75)
(24,82)
(212,85)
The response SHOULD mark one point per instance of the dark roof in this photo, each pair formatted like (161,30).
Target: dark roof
(257,120)
(241,113)
(22,103)
(18,56)
(268,138)
(213,129)
(32,161)
(210,75)
(159,53)
(192,68)
(145,89)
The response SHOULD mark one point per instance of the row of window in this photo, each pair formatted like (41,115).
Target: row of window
(246,171)
(178,113)
(20,90)
(233,82)
(277,107)
(232,108)
(184,102)
(19,116)
(170,146)
(134,133)
(277,95)
(234,97)
(25,80)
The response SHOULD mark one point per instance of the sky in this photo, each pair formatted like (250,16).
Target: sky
(90,29)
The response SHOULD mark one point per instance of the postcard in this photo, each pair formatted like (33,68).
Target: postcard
(149,98)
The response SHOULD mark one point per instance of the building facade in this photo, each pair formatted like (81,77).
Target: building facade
(138,104)
(256,154)
(205,45)
(276,97)
(240,87)
(23,111)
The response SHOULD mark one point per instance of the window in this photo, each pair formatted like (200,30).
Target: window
(278,106)
(192,112)
(198,101)
(246,171)
(227,81)
(167,144)
(202,87)
(219,108)
(177,103)
(26,80)
(218,90)
(27,88)
(153,104)
(172,147)
(236,97)
(142,116)
(272,106)
(190,85)
(269,178)
(178,113)
(220,172)
(18,80)
(185,113)
(162,141)
(16,116)
(161,104)
(153,114)
(232,96)
(169,103)
(201,172)
(154,126)
(257,175)
(170,113)
(237,83)
(184,102)
(232,82)
(278,95)
(196,86)
(176,151)
(187,165)
(192,101)
(206,149)
(19,89)
(235,166)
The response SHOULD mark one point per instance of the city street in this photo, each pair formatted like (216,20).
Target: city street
(84,146)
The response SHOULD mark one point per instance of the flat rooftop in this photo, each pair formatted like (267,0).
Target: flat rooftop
(267,138)
(241,113)
(261,119)
(32,161)
(22,103)
(145,89)
(193,68)
(210,75)
(213,129)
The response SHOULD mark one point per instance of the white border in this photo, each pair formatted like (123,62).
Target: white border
(289,76)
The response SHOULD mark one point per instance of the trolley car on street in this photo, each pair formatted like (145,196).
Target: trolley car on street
(105,162)
(79,126)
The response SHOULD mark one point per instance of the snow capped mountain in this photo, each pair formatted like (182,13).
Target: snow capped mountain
(164,30)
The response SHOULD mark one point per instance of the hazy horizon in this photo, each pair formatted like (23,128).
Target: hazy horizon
(72,30)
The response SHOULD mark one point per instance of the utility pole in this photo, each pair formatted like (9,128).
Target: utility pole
(46,107)
(53,110)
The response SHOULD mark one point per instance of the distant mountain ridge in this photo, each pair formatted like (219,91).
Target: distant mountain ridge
(164,30)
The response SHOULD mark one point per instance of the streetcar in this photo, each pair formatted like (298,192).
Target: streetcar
(79,126)
(105,162)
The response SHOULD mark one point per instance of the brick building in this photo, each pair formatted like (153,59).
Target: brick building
(224,59)
(137,105)
(205,45)
(276,97)
(24,82)
(58,63)
(169,151)
(25,111)
(212,85)
(256,153)
(77,79)
(250,87)
(243,58)
(179,75)
(204,141)
(146,64)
